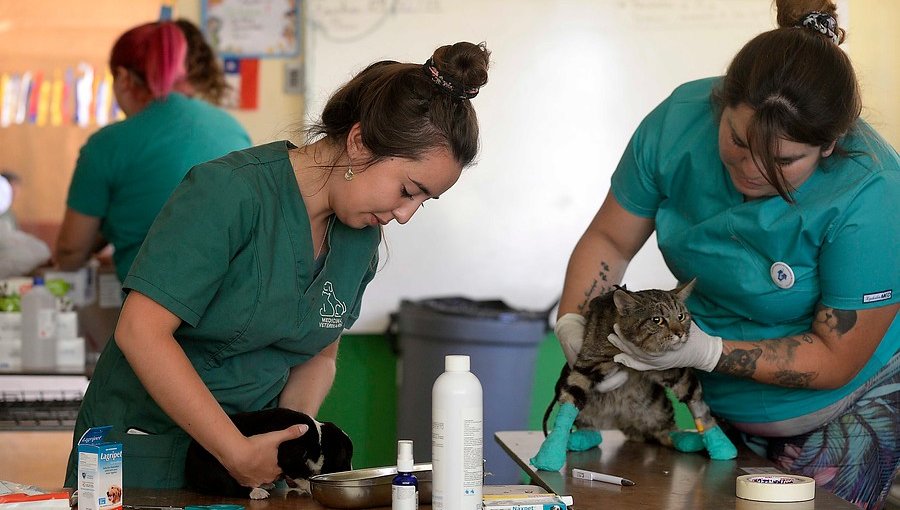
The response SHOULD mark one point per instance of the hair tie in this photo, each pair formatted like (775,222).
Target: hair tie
(447,84)
(822,23)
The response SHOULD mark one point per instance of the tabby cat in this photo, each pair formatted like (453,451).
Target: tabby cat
(655,321)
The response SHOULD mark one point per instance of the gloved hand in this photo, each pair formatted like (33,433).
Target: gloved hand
(570,331)
(700,351)
(613,380)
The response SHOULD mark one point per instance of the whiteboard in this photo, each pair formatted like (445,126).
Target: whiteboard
(569,83)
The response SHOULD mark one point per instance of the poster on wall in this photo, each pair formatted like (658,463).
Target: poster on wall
(252,28)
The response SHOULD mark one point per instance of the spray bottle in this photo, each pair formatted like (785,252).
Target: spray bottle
(404,486)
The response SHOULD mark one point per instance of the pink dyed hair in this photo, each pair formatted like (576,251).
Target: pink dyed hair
(155,52)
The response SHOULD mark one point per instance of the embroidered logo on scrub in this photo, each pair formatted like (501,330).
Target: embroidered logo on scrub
(877,296)
(782,275)
(333,309)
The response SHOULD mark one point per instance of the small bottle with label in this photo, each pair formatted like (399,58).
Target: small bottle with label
(404,486)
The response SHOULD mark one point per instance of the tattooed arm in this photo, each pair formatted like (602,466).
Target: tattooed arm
(602,254)
(828,356)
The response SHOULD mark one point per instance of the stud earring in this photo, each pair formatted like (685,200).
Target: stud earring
(348,175)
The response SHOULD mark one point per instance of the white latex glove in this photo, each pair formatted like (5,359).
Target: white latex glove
(700,351)
(570,332)
(612,380)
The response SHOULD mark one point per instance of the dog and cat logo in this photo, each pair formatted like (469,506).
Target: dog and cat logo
(333,309)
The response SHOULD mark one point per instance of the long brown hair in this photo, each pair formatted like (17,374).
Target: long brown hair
(799,83)
(204,72)
(403,113)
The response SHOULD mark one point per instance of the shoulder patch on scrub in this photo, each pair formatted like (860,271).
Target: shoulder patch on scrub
(878,296)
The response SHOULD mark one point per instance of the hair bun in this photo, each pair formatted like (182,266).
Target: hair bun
(463,66)
(817,15)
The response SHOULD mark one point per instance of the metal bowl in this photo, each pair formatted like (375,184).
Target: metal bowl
(365,488)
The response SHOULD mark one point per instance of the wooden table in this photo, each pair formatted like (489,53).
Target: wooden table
(278,500)
(665,478)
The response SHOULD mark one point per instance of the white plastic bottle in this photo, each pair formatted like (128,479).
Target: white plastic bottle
(457,438)
(405,486)
(38,328)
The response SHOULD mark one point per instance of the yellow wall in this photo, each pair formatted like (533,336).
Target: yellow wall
(874,46)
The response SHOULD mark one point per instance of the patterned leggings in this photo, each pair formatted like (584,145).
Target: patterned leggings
(856,455)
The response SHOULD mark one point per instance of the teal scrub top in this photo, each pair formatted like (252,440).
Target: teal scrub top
(127,170)
(231,255)
(840,239)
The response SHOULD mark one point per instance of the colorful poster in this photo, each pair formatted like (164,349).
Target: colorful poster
(252,28)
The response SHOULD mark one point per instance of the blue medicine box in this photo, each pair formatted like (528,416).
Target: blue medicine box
(99,471)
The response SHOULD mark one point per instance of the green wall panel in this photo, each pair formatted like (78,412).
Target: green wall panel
(363,400)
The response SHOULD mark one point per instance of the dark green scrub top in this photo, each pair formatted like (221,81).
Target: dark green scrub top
(231,255)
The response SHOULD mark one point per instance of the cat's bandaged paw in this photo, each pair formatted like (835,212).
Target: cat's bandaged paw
(569,330)
(688,441)
(584,439)
(552,454)
(701,351)
(718,445)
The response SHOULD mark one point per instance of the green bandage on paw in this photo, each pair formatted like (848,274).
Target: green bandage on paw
(687,441)
(552,454)
(584,439)
(718,445)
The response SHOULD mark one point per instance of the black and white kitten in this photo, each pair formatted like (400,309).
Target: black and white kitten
(324,448)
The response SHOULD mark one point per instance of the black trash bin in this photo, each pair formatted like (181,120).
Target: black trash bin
(502,345)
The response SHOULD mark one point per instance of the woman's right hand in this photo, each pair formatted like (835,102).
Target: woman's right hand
(255,462)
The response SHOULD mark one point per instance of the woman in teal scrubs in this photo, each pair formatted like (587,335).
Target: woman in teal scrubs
(259,261)
(127,170)
(767,187)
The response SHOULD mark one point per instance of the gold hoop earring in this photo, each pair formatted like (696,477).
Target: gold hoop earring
(348,175)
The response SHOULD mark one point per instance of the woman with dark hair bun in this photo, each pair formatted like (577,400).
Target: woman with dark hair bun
(767,187)
(259,260)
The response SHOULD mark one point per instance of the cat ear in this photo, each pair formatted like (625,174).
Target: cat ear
(683,291)
(623,301)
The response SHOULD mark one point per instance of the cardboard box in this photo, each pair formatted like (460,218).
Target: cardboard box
(99,471)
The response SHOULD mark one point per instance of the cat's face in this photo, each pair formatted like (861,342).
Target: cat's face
(654,320)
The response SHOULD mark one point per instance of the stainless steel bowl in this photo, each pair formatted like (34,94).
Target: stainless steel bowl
(365,488)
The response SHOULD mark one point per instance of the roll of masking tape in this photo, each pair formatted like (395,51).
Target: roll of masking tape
(775,488)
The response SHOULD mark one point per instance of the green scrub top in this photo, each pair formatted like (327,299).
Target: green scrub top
(231,255)
(763,265)
(127,170)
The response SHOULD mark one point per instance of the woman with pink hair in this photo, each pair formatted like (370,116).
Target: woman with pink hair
(127,170)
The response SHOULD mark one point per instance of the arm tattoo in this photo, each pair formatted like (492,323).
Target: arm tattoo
(832,319)
(791,379)
(601,276)
(780,351)
(739,362)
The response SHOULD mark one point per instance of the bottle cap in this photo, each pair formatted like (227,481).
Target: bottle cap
(404,456)
(456,363)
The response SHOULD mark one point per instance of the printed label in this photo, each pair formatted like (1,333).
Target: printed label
(333,309)
(877,296)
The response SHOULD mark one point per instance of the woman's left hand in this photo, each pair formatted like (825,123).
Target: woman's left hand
(700,351)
